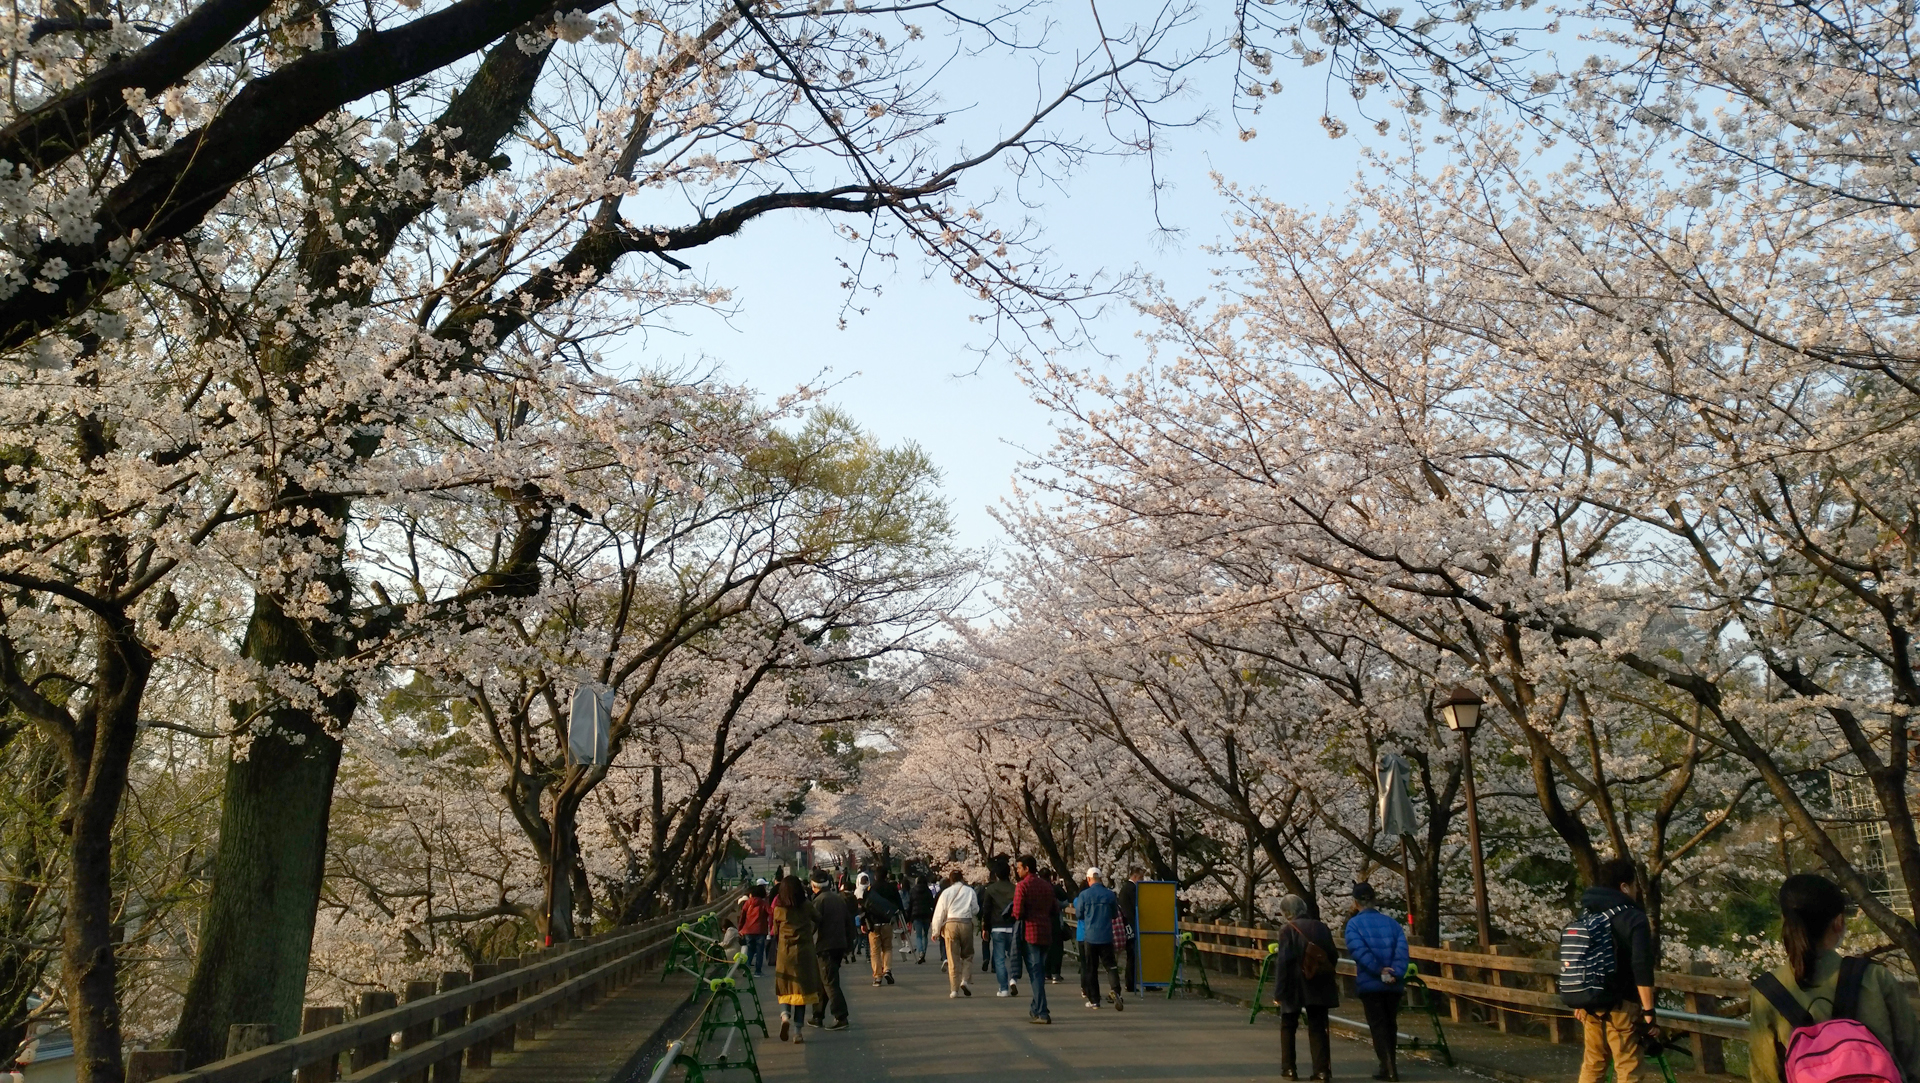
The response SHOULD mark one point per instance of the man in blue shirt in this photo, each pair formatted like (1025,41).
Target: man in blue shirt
(1379,949)
(1095,910)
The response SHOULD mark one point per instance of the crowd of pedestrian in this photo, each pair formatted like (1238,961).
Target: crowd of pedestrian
(1016,922)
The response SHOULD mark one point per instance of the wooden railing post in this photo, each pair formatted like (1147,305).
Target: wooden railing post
(247,1037)
(1502,1017)
(1708,1053)
(503,1042)
(327,1069)
(147,1065)
(481,1055)
(448,1070)
(1451,973)
(420,1032)
(376,1049)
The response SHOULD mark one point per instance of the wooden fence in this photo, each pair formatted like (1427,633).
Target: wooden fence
(1516,993)
(462,1019)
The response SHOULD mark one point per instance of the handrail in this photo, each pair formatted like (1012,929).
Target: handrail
(1710,984)
(1531,1001)
(603,957)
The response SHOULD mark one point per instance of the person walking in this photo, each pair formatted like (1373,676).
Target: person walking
(1130,914)
(1816,984)
(796,968)
(1379,949)
(996,910)
(879,909)
(1057,952)
(1304,982)
(1034,914)
(954,915)
(920,913)
(1615,1026)
(1097,909)
(832,942)
(756,921)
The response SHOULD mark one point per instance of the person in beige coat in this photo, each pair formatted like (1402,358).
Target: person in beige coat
(955,914)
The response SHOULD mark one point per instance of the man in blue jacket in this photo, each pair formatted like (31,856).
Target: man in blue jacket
(1095,910)
(1379,949)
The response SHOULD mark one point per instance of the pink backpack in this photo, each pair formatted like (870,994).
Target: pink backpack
(1838,1049)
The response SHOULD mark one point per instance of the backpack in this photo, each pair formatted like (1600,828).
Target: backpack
(881,907)
(1837,1048)
(1587,960)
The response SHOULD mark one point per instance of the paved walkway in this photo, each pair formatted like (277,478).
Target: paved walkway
(911,1031)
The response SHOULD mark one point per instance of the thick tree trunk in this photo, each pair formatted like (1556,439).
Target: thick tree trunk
(258,930)
(95,786)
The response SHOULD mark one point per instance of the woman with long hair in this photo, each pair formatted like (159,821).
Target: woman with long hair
(796,969)
(1813,920)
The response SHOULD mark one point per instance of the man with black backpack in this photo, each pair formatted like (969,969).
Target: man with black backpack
(879,909)
(1606,975)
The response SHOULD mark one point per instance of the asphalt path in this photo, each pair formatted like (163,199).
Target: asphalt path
(911,1031)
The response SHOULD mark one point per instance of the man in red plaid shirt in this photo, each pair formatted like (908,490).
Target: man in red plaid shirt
(1033,904)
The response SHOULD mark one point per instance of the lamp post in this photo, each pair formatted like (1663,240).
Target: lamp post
(1461,709)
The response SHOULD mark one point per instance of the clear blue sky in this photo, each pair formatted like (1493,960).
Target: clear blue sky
(905,370)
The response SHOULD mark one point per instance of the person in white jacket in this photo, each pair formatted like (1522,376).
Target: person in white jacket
(954,914)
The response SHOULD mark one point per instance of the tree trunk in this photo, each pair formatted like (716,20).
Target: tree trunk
(96,782)
(258,931)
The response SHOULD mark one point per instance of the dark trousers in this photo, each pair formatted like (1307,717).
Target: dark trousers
(1092,958)
(1317,1043)
(1056,955)
(1133,960)
(1383,1022)
(832,997)
(1037,965)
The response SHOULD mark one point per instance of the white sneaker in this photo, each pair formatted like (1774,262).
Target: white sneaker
(1091,1004)
(953,996)
(1002,993)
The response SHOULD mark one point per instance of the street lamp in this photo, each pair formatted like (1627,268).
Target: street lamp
(1461,709)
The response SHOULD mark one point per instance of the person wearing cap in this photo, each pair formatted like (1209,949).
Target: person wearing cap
(954,914)
(836,935)
(1379,949)
(1096,909)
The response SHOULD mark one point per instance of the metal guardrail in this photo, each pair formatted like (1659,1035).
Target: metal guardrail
(427,1037)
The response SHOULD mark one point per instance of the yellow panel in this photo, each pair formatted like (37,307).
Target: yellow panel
(1156,905)
(1156,958)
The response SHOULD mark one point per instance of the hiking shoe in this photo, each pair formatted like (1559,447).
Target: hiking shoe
(1040,1020)
(1119,1004)
(837,1024)
(876,983)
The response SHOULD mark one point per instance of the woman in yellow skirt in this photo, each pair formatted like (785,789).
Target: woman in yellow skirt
(796,970)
